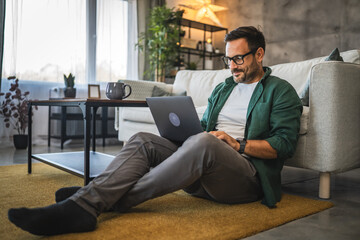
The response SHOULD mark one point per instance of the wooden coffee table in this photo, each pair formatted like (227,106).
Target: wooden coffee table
(93,162)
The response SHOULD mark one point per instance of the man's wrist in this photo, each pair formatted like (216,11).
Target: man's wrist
(242,143)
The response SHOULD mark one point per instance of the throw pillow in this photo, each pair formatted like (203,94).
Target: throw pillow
(304,95)
(334,56)
(181,93)
(159,92)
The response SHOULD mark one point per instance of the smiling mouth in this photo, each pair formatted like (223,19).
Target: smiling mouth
(237,73)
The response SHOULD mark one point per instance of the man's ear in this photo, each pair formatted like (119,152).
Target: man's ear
(259,55)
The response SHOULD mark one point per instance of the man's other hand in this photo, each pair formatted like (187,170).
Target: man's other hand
(255,148)
(226,138)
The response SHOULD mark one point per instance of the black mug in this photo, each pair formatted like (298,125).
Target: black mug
(116,90)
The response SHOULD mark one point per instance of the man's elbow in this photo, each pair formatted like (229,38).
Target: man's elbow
(282,149)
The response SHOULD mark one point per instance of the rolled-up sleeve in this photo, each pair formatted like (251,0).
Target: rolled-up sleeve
(285,121)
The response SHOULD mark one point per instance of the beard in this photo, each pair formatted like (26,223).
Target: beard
(246,75)
(239,75)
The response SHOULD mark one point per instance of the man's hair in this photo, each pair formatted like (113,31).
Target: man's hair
(253,36)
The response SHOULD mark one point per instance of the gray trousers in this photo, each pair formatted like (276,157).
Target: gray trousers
(150,166)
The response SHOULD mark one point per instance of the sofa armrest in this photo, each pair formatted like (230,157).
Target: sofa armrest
(333,141)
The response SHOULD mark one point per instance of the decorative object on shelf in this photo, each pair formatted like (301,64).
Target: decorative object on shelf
(208,45)
(69,90)
(161,41)
(14,110)
(188,43)
(191,66)
(182,33)
(205,9)
(199,45)
(93,91)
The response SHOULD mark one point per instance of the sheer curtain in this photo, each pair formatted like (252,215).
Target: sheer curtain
(44,39)
(116,57)
(133,54)
(111,51)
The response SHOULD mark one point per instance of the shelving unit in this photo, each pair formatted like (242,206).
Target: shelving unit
(205,28)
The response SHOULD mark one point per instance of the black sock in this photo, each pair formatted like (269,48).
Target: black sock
(65,193)
(59,218)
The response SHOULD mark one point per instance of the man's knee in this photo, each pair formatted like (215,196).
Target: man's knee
(144,136)
(203,140)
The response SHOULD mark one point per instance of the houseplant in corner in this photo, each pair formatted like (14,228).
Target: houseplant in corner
(161,41)
(69,90)
(14,110)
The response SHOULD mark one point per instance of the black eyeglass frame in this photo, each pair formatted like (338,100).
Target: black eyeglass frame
(228,59)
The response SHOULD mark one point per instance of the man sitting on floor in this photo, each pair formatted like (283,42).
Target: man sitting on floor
(251,126)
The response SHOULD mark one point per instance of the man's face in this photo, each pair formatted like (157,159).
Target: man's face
(248,72)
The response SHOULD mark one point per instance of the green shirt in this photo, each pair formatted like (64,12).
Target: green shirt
(273,115)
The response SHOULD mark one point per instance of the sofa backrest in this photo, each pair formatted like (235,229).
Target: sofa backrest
(200,83)
(297,73)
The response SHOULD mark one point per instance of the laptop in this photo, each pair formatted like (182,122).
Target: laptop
(175,117)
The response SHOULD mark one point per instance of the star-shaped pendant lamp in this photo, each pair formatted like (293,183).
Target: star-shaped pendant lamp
(205,9)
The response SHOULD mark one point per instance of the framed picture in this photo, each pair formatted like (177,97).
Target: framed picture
(93,91)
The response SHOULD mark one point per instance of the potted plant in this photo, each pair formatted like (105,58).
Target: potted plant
(191,66)
(161,41)
(14,110)
(69,90)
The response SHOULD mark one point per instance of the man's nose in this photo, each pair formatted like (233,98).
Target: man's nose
(232,64)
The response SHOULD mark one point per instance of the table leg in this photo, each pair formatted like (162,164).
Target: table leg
(63,126)
(86,110)
(49,126)
(104,118)
(94,110)
(29,136)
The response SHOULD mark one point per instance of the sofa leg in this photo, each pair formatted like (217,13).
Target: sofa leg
(324,185)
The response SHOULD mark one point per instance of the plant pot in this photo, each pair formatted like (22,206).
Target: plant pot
(20,141)
(70,92)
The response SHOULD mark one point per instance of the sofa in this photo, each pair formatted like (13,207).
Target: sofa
(329,137)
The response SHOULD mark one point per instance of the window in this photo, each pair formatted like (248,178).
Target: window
(46,39)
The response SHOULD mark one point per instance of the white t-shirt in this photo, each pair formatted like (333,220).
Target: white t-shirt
(232,117)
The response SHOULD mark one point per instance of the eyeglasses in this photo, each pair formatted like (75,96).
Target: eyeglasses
(238,59)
